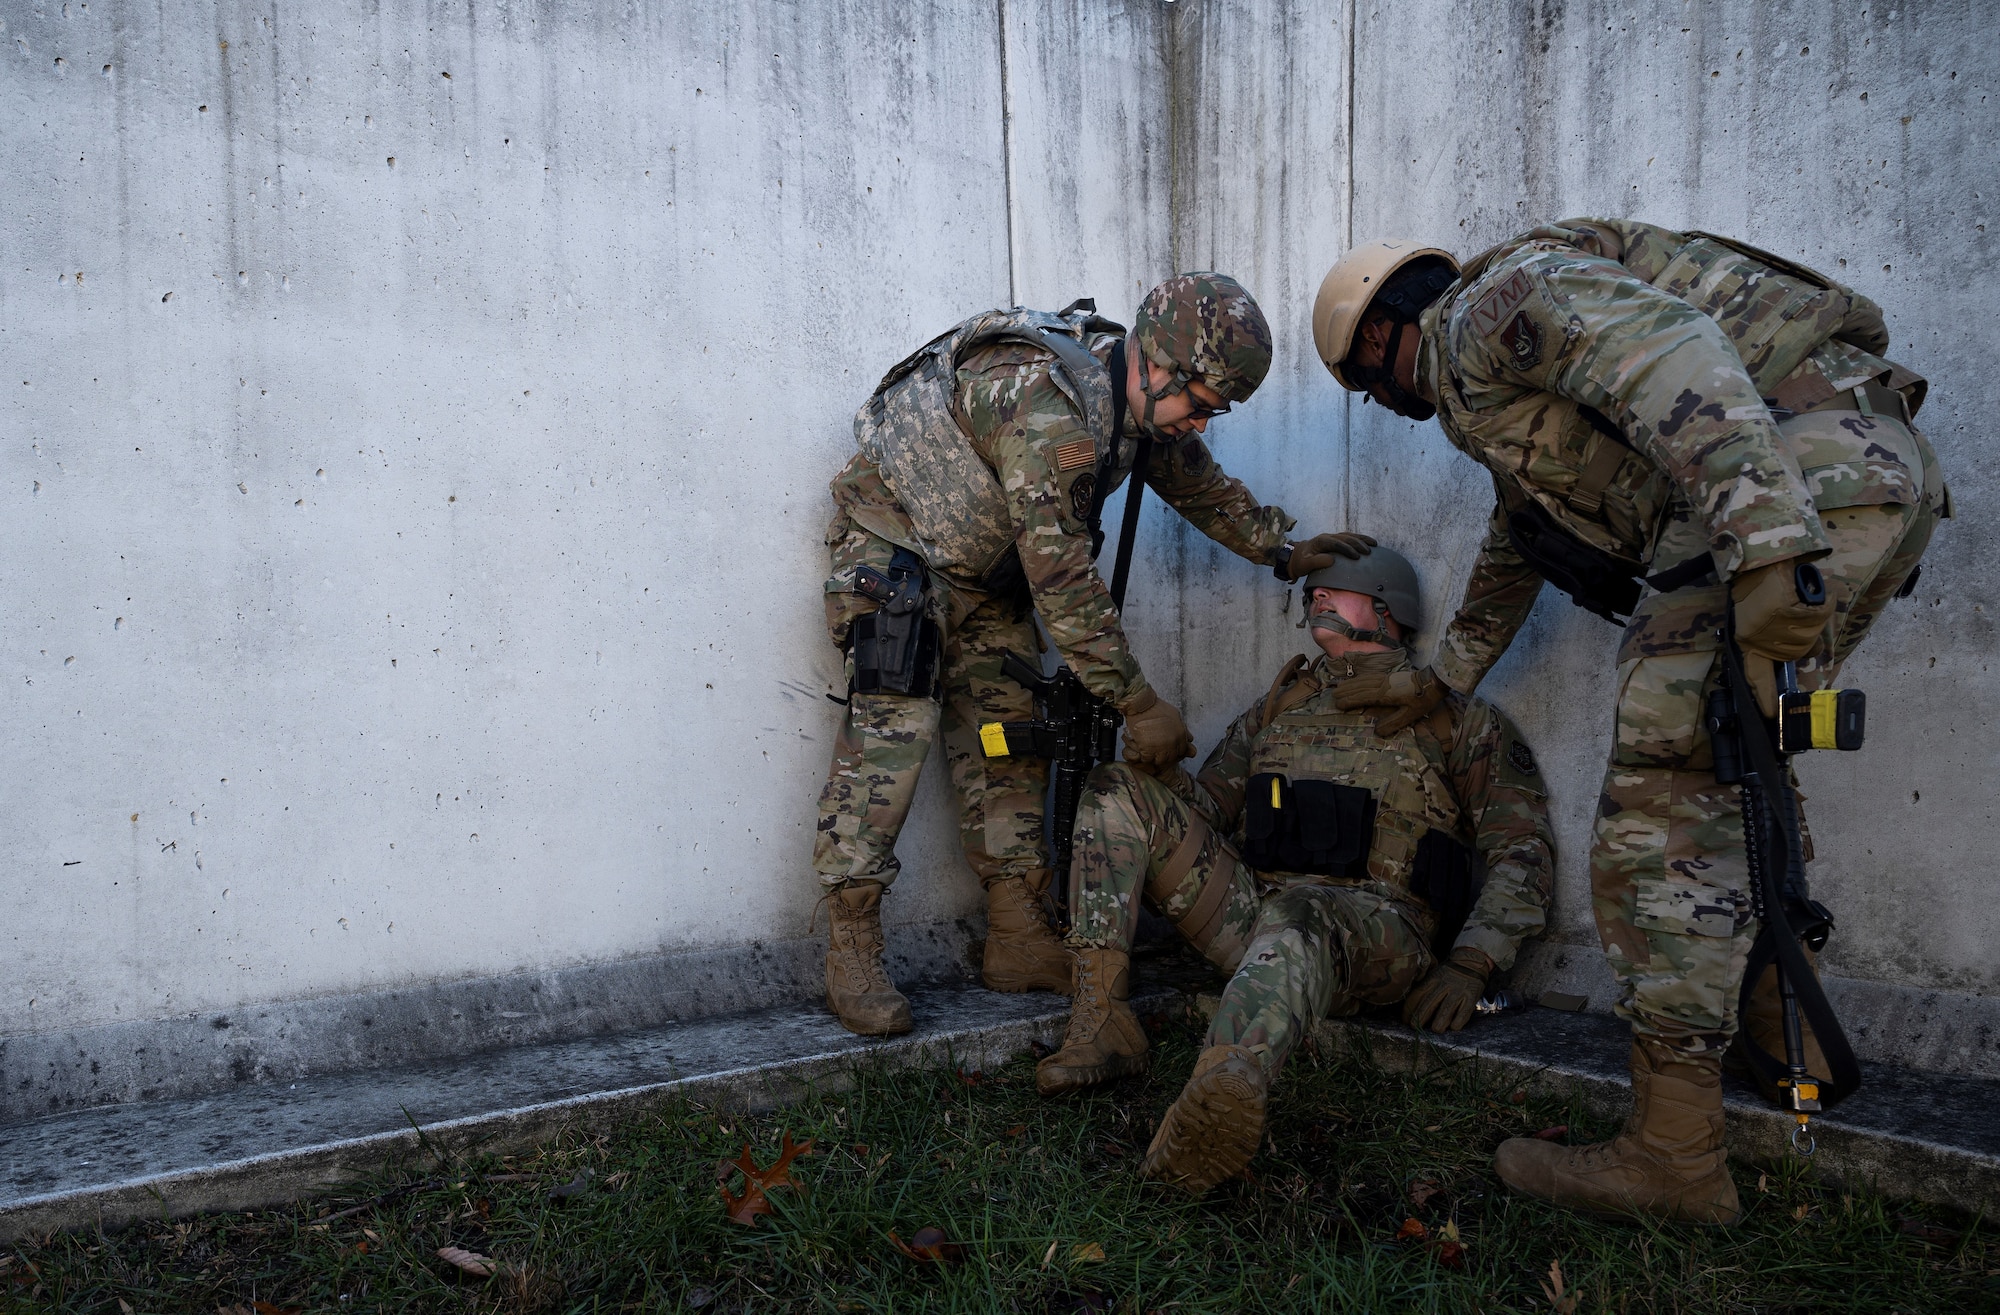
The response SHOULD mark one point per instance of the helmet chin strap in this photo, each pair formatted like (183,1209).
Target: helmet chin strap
(1401,400)
(1334,623)
(1153,396)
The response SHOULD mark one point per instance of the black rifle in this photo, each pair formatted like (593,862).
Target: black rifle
(1073,728)
(1783,903)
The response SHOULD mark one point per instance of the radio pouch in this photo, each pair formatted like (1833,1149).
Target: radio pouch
(1318,828)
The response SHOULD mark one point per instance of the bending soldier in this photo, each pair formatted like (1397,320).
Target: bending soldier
(971,509)
(1318,862)
(1690,410)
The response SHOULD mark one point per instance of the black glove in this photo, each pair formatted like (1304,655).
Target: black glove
(1320,550)
(1444,1000)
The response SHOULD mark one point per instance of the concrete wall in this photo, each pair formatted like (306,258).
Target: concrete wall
(414,482)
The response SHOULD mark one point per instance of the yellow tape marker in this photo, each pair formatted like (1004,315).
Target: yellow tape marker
(1825,718)
(1274,793)
(993,739)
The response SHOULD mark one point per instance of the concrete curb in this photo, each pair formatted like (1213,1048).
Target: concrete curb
(281,1177)
(1895,1164)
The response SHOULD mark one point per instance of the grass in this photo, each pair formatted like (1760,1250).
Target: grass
(1034,1191)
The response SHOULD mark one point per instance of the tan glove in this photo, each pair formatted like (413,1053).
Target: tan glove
(1321,549)
(1413,694)
(1443,1001)
(1155,735)
(1773,626)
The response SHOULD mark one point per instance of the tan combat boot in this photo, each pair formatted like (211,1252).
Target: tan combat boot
(1668,1161)
(1212,1130)
(1022,954)
(1764,1024)
(857,989)
(1104,1040)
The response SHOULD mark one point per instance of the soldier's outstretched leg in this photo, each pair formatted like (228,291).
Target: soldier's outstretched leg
(1315,950)
(1001,799)
(1134,835)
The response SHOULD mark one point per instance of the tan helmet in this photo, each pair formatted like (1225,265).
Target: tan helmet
(1381,573)
(1347,289)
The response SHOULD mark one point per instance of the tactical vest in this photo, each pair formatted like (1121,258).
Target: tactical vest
(1404,775)
(910,429)
(1572,462)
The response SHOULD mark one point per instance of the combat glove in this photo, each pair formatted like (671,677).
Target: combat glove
(1155,734)
(1772,624)
(1321,550)
(1413,695)
(1443,1001)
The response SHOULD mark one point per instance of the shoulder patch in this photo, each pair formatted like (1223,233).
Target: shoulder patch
(1491,311)
(1521,759)
(1076,454)
(1082,495)
(1194,457)
(1523,340)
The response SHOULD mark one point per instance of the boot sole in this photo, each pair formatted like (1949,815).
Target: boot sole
(1210,1133)
(1078,1077)
(895,1025)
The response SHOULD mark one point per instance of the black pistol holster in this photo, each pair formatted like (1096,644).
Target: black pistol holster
(896,647)
(1318,828)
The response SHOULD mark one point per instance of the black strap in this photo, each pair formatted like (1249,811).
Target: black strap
(1775,810)
(1688,572)
(1107,461)
(1128,532)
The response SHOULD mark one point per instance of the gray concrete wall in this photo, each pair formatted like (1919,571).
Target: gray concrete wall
(414,483)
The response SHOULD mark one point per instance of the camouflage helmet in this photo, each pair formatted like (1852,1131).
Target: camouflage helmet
(1381,573)
(1206,326)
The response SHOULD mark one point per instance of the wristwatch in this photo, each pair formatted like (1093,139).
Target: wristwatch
(1281,563)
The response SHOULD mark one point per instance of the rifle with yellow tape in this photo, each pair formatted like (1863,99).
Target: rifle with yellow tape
(1755,754)
(1073,728)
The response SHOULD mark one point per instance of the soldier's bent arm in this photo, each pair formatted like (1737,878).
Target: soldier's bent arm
(1188,478)
(1666,375)
(1225,775)
(1031,433)
(1505,803)
(1499,594)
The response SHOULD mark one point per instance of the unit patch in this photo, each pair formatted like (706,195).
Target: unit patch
(1492,310)
(1076,454)
(1521,759)
(1194,458)
(1082,493)
(1523,339)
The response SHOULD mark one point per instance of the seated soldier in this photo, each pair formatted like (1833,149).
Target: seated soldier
(1318,857)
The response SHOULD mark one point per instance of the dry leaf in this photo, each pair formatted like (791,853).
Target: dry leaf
(1413,1230)
(1763,1182)
(1802,1211)
(1050,1254)
(470,1261)
(266,1308)
(1017,1130)
(125,1306)
(1086,1251)
(1560,1303)
(928,1244)
(1450,1254)
(1421,1191)
(746,1208)
(1557,1133)
(1450,1230)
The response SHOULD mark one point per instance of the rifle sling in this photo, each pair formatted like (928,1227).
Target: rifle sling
(1776,941)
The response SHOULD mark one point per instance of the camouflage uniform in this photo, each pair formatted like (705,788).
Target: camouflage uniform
(994,566)
(1302,947)
(1761,428)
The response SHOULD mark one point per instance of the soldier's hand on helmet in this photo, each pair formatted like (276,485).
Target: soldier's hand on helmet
(1772,624)
(1310,555)
(1407,696)
(1155,734)
(1443,1001)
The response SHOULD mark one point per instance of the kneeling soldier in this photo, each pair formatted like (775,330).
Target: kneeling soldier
(1317,861)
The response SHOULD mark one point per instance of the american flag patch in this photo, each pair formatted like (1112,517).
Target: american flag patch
(1076,454)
